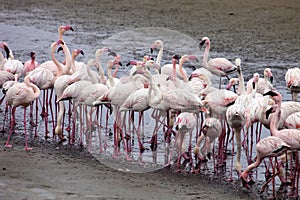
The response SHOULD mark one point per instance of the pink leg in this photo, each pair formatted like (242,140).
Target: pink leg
(25,132)
(12,122)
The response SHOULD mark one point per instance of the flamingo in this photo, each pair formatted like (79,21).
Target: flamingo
(270,146)
(236,113)
(292,81)
(31,64)
(185,122)
(21,94)
(290,136)
(212,129)
(264,84)
(217,66)
(45,79)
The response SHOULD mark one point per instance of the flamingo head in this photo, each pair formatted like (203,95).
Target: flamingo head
(189,57)
(157,44)
(268,74)
(147,58)
(77,52)
(152,64)
(276,96)
(3,45)
(232,82)
(205,40)
(32,55)
(63,29)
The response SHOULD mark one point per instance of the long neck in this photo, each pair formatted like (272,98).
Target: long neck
(59,69)
(36,90)
(100,69)
(205,55)
(183,74)
(241,88)
(110,78)
(92,78)
(68,59)
(159,55)
(274,120)
(174,61)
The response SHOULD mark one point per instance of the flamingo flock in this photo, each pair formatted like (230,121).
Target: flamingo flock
(215,118)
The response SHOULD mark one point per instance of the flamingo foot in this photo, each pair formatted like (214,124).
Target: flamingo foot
(8,145)
(68,129)
(26,148)
(32,124)
(245,183)
(142,148)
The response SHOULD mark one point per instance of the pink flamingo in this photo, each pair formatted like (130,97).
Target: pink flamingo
(44,79)
(21,94)
(217,66)
(31,64)
(290,136)
(270,146)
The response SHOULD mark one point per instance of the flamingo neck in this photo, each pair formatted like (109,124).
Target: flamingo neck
(36,90)
(159,55)
(205,55)
(183,74)
(92,78)
(174,62)
(68,59)
(274,120)
(59,69)
(241,87)
(110,78)
(100,69)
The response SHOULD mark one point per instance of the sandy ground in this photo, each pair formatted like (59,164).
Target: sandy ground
(260,32)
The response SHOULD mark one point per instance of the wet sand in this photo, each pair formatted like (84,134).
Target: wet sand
(261,33)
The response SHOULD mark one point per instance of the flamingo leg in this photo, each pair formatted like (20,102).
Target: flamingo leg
(12,121)
(25,132)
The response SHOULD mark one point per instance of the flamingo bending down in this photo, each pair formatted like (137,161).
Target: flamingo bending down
(218,66)
(270,146)
(185,122)
(290,136)
(21,94)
